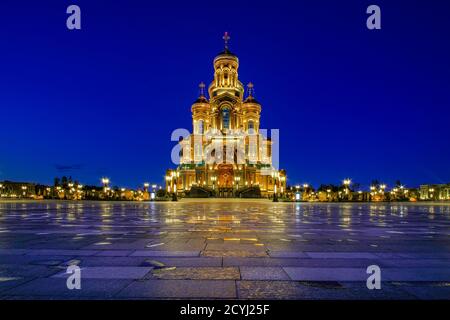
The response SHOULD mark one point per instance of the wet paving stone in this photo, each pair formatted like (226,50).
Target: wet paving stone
(220,248)
(11,282)
(150,253)
(188,262)
(263,273)
(114,253)
(425,290)
(180,289)
(233,253)
(110,273)
(54,288)
(273,290)
(27,271)
(326,274)
(287,254)
(322,284)
(358,291)
(47,262)
(205,273)
(108,261)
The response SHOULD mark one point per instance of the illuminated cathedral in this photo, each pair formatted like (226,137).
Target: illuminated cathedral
(226,155)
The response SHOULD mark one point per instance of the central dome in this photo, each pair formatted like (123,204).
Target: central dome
(226,54)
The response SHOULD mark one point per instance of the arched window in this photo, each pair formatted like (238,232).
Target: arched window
(251,126)
(198,127)
(225,118)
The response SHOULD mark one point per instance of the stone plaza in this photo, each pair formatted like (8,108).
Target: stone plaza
(224,249)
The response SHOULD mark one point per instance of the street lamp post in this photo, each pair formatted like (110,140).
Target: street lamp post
(305,190)
(282,180)
(105,182)
(347,183)
(168,182)
(297,193)
(213,179)
(24,191)
(175,176)
(275,176)
(236,182)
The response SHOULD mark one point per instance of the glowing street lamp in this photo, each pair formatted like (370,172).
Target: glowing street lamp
(214,179)
(168,179)
(175,176)
(173,180)
(275,176)
(24,188)
(282,179)
(236,180)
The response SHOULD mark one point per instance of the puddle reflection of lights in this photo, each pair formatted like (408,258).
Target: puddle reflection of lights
(102,243)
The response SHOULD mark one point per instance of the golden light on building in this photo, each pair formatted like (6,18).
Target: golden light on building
(226,152)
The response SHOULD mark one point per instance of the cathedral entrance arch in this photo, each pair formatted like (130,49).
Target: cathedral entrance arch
(226,176)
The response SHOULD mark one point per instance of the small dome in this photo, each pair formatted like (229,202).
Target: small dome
(201,99)
(251,99)
(228,53)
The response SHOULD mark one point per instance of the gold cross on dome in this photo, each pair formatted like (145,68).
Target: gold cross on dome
(226,37)
(202,88)
(250,89)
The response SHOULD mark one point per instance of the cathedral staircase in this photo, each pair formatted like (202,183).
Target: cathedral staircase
(200,192)
(249,192)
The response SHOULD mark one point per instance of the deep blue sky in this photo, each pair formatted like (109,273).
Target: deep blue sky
(103,101)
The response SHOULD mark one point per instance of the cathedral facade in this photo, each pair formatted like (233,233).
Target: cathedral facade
(227,155)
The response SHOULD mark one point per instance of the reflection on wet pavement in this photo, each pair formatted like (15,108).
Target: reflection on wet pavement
(231,243)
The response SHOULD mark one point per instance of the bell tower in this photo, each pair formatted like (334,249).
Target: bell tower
(226,91)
